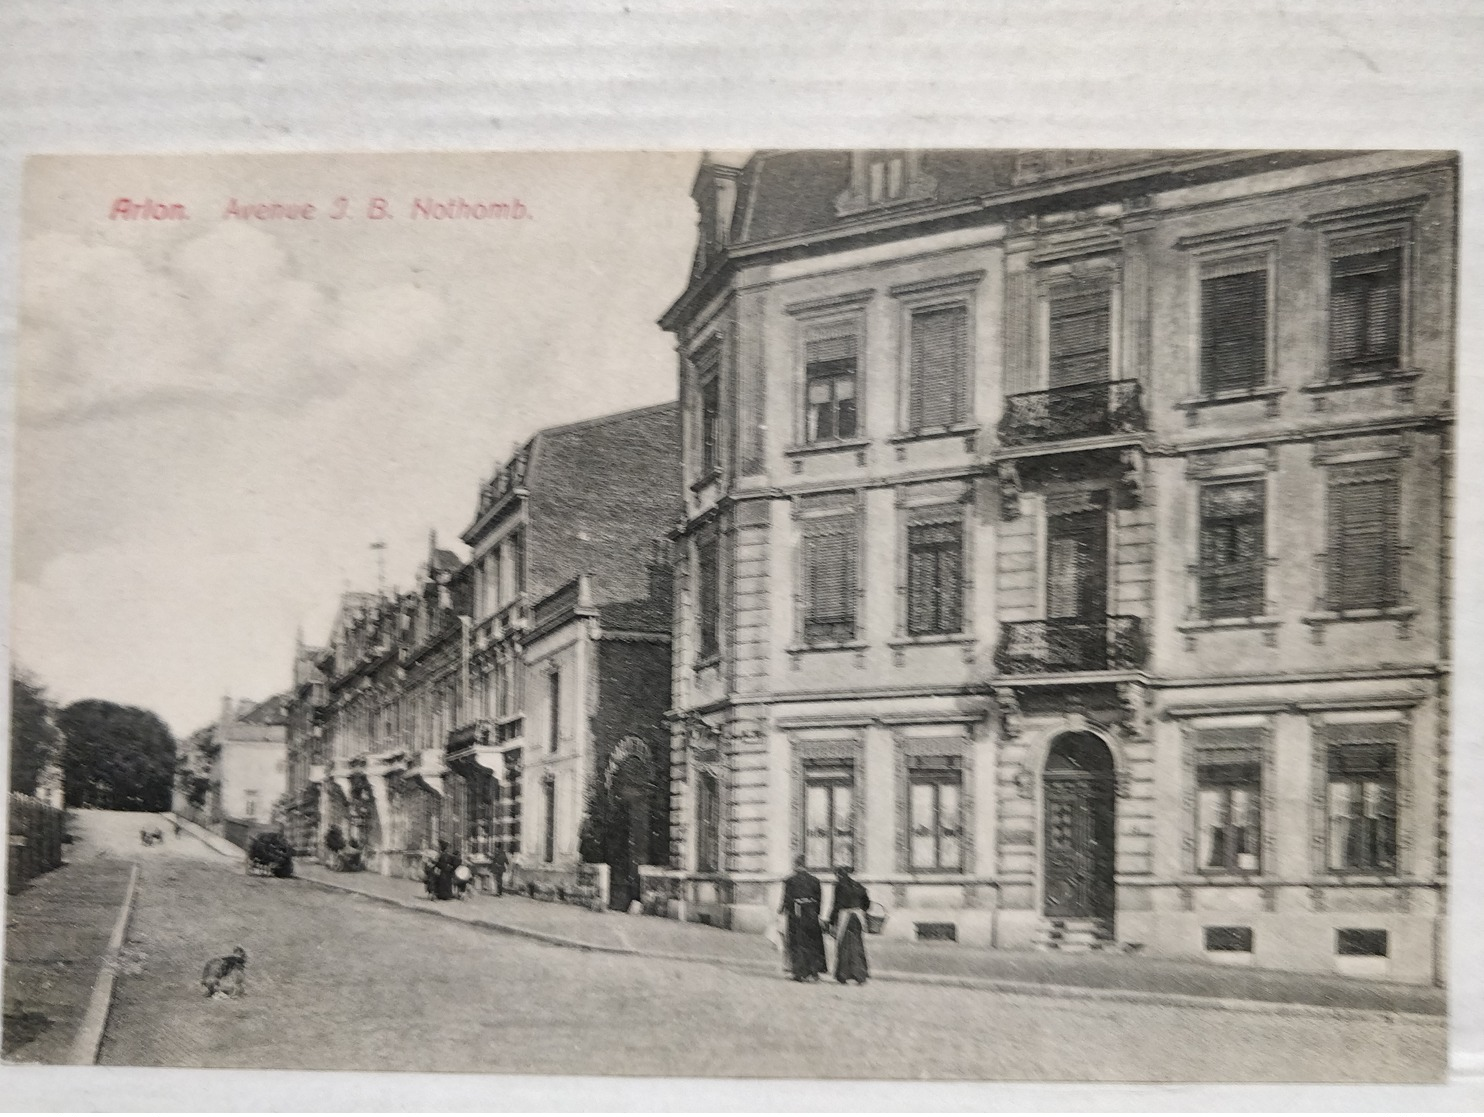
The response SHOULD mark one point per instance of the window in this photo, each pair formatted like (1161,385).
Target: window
(935,578)
(1362,807)
(829,375)
(554,709)
(1229,808)
(829,577)
(829,822)
(548,817)
(708,383)
(1362,541)
(1365,313)
(517,561)
(1234,332)
(1233,550)
(708,825)
(1079,339)
(934,806)
(886,176)
(939,367)
(250,804)
(497,589)
(708,597)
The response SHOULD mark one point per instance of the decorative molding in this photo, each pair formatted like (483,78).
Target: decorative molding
(831,304)
(1374,213)
(939,284)
(1241,237)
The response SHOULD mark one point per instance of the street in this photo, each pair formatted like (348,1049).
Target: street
(336,981)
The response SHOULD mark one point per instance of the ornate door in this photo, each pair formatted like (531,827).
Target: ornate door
(1078,846)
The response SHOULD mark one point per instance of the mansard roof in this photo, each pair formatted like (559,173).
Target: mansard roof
(791,203)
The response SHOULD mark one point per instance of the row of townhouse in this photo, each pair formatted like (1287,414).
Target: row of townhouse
(515,700)
(1065,546)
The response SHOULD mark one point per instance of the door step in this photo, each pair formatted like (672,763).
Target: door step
(1076,936)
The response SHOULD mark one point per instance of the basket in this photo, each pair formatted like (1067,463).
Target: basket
(875,919)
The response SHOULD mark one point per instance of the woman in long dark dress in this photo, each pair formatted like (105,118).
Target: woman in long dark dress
(803,941)
(848,918)
(443,869)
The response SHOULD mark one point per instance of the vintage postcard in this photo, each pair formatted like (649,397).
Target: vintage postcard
(907,614)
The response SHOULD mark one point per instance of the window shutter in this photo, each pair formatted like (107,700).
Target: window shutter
(1079,339)
(1362,544)
(830,581)
(1234,332)
(1365,309)
(938,359)
(921,582)
(1233,550)
(828,350)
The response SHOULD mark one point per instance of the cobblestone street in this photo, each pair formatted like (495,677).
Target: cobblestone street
(337,981)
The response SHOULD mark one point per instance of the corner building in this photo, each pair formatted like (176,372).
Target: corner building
(1065,547)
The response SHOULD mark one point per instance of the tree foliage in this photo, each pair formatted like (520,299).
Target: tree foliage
(116,757)
(35,740)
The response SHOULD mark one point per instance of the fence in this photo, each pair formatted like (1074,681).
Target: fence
(36,832)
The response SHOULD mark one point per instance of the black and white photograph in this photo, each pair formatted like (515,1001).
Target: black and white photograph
(947,613)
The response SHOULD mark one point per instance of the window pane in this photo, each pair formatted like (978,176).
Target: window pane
(1212,821)
(949,826)
(923,851)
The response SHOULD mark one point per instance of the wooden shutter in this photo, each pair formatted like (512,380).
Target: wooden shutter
(934,578)
(938,366)
(829,560)
(1365,312)
(1362,543)
(1233,557)
(1079,339)
(831,351)
(1234,332)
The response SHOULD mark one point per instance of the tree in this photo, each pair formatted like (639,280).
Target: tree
(116,757)
(35,740)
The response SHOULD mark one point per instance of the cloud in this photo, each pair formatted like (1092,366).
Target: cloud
(223,320)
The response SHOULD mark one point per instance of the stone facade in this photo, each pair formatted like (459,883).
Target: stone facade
(413,725)
(1065,544)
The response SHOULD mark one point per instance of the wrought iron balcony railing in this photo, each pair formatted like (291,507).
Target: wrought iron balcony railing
(1079,411)
(1072,644)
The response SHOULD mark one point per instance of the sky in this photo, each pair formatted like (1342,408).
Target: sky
(217,416)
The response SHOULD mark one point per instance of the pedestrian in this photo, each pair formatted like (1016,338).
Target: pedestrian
(498,864)
(848,925)
(443,867)
(803,942)
(177,828)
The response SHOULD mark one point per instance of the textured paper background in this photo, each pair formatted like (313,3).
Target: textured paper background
(283,75)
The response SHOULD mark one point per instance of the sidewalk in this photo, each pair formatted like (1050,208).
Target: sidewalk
(1119,977)
(57,932)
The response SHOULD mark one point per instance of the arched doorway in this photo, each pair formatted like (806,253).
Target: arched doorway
(631,785)
(1078,829)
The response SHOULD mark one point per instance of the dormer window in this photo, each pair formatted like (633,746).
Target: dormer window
(884,178)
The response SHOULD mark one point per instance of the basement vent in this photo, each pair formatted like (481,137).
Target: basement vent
(936,932)
(1229,938)
(1358,941)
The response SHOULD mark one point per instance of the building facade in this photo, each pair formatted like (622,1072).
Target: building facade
(570,648)
(1065,546)
(516,700)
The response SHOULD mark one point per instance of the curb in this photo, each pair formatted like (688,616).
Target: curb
(89,1036)
(1005,986)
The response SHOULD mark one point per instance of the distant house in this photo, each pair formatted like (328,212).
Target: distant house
(243,758)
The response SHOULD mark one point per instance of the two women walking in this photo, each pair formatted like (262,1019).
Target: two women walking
(803,941)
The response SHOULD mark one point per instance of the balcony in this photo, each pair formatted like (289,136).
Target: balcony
(1094,410)
(1066,646)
